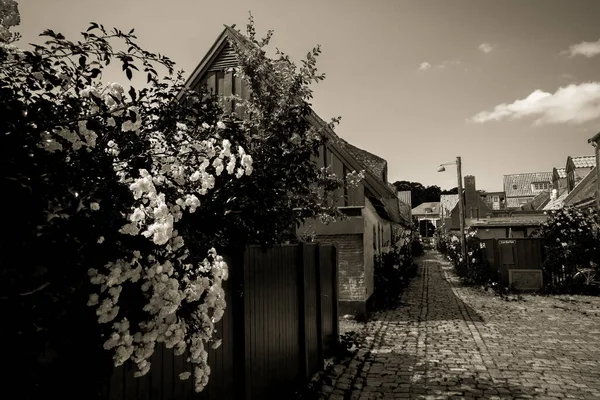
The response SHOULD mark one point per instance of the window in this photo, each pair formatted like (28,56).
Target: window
(514,187)
(540,185)
(495,199)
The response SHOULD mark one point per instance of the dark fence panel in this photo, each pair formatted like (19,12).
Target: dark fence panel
(329,297)
(273,353)
(514,253)
(281,317)
(312,320)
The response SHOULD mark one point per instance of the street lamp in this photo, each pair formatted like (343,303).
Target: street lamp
(461,206)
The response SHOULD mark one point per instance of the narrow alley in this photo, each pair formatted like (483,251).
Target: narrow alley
(446,340)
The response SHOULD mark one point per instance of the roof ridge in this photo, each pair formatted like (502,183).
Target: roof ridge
(592,155)
(529,173)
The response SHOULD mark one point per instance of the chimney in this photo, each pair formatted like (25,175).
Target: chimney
(471,195)
(553,194)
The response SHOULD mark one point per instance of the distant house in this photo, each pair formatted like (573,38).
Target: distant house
(494,200)
(490,223)
(426,213)
(572,184)
(475,206)
(577,168)
(375,214)
(520,189)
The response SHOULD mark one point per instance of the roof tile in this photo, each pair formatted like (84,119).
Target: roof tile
(523,183)
(422,208)
(562,172)
(584,161)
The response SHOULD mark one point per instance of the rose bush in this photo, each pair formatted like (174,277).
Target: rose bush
(572,249)
(121,201)
(476,269)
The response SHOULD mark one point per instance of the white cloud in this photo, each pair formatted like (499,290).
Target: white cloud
(425,65)
(486,48)
(587,49)
(575,103)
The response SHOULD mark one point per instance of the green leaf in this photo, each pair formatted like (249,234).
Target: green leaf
(132,93)
(95,72)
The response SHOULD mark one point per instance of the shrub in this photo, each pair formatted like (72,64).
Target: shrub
(572,250)
(417,247)
(393,270)
(476,269)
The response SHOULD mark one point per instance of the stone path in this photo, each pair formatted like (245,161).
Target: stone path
(447,341)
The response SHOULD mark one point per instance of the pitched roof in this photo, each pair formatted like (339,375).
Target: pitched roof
(523,183)
(514,202)
(583,191)
(375,164)
(538,202)
(557,203)
(582,161)
(423,208)
(373,181)
(448,202)
(561,172)
(405,196)
(405,212)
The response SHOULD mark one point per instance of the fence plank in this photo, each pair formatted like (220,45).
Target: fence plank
(303,359)
(156,373)
(319,309)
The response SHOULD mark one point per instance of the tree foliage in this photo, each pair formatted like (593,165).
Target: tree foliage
(422,194)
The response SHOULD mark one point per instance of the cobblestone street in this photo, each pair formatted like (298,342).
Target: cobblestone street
(450,341)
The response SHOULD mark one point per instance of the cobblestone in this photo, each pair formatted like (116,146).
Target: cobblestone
(448,341)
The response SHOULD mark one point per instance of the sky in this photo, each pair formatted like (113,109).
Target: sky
(509,86)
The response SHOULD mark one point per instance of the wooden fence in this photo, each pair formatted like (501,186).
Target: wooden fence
(280,322)
(514,254)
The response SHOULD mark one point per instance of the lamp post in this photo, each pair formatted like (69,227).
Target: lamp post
(461,206)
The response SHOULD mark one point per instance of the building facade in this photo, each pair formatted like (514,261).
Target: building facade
(520,189)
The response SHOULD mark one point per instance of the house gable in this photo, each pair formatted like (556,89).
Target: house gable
(583,193)
(215,71)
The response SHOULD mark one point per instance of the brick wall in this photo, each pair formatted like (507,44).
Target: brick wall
(351,273)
